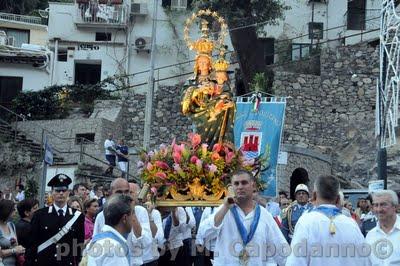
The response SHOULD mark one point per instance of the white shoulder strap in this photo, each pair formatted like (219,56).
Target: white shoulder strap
(54,239)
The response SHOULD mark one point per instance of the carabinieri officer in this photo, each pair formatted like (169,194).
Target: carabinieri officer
(57,230)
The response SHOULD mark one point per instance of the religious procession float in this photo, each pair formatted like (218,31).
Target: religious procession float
(197,172)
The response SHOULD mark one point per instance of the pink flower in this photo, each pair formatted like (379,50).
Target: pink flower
(179,148)
(161,165)
(161,175)
(177,157)
(195,139)
(199,165)
(153,190)
(193,159)
(229,156)
(149,166)
(212,168)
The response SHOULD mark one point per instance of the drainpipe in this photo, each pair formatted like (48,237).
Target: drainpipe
(54,60)
(127,54)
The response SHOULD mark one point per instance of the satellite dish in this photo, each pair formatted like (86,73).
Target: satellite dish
(140,43)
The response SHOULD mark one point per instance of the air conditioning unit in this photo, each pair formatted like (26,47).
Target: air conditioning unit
(3,37)
(11,41)
(179,4)
(139,9)
(143,44)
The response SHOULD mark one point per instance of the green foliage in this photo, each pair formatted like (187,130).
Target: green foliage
(55,102)
(259,82)
(245,12)
(31,190)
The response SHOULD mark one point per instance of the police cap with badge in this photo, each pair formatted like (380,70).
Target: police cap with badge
(60,182)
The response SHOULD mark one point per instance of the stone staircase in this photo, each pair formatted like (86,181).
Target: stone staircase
(8,134)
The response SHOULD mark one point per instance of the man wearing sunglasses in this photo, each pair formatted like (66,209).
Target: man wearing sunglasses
(57,230)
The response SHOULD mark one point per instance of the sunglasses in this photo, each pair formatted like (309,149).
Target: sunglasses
(58,190)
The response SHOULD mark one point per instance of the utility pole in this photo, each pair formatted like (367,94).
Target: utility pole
(150,92)
(382,153)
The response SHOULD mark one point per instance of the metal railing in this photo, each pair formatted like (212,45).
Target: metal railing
(12,119)
(24,19)
(95,13)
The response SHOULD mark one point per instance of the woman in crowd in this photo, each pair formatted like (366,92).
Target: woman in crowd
(354,215)
(91,208)
(75,203)
(10,250)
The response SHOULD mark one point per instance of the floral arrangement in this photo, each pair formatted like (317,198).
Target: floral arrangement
(179,164)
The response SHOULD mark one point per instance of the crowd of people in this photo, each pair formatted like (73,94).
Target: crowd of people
(109,225)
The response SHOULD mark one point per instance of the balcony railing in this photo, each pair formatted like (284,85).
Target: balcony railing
(24,19)
(92,13)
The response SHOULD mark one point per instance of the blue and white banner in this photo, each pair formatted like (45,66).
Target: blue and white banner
(48,153)
(258,129)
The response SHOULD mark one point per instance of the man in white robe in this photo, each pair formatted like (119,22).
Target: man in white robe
(140,236)
(246,232)
(324,236)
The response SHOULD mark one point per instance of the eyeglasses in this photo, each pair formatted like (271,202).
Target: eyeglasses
(382,205)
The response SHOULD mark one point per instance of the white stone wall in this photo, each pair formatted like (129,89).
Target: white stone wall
(170,47)
(332,14)
(34,79)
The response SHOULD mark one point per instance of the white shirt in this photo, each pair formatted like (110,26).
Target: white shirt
(151,253)
(187,230)
(375,237)
(208,242)
(63,208)
(312,242)
(107,144)
(110,256)
(20,196)
(229,241)
(137,245)
(176,233)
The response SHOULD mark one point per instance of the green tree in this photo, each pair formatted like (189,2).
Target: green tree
(18,6)
(241,13)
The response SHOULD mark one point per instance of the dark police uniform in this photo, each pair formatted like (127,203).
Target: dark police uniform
(46,223)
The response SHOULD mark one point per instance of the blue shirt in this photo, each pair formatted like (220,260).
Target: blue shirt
(124,150)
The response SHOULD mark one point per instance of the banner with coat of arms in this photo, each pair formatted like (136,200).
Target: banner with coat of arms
(258,129)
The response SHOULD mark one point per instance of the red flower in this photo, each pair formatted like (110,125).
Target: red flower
(177,157)
(161,165)
(217,147)
(193,159)
(161,175)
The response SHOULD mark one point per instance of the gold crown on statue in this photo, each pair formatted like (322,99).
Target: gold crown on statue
(221,65)
(203,45)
